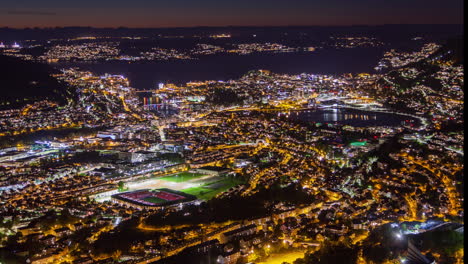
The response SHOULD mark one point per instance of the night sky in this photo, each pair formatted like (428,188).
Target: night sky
(189,13)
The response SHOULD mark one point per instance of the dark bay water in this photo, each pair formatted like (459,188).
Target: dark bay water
(147,75)
(359,118)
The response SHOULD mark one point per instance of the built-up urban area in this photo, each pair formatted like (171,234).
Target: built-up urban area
(237,171)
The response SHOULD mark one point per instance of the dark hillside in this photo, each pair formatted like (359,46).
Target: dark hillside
(23,82)
(452,50)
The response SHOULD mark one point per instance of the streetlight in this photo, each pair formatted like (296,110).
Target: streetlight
(399,235)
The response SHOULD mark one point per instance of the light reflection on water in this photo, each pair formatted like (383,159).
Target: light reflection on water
(348,117)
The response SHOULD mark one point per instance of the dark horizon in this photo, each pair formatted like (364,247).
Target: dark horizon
(235,26)
(183,13)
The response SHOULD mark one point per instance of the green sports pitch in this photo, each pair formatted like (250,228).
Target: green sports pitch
(210,190)
(182,177)
(154,200)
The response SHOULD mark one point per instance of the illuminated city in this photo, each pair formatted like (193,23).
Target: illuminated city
(230,144)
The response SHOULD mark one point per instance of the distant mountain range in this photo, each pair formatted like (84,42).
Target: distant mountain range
(385,31)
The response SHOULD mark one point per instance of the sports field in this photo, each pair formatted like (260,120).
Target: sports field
(154,200)
(203,186)
(209,190)
(182,177)
(153,197)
